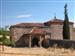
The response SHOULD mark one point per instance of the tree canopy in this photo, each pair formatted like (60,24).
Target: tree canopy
(66,30)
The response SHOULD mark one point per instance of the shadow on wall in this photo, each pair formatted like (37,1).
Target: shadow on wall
(46,43)
(23,41)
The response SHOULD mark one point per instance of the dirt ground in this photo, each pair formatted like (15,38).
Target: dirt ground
(9,51)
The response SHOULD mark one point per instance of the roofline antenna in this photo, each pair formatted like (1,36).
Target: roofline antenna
(55,16)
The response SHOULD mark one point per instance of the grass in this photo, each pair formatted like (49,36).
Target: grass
(9,51)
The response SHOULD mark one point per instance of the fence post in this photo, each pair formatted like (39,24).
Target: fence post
(2,48)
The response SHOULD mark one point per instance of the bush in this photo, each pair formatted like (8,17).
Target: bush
(12,43)
(0,39)
(6,41)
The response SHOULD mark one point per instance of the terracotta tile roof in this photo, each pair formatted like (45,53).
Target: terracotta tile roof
(37,31)
(48,23)
(29,25)
(56,21)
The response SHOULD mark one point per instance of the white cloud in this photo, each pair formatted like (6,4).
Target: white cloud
(24,16)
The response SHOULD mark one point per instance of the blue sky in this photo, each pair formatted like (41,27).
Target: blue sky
(23,11)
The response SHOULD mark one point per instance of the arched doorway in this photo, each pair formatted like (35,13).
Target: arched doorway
(35,41)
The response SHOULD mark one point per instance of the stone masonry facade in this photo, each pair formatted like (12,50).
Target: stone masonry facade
(51,29)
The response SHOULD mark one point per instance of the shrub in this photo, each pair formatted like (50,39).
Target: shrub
(6,41)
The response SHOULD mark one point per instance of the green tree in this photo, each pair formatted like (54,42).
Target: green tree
(4,40)
(66,30)
(4,32)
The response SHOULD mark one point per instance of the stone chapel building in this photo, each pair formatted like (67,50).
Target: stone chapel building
(30,34)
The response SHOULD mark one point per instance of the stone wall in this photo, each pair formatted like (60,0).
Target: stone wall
(56,32)
(62,43)
(73,35)
(16,33)
(71,32)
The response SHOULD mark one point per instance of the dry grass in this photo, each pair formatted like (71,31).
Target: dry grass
(9,51)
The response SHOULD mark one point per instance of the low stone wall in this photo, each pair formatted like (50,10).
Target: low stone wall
(62,43)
